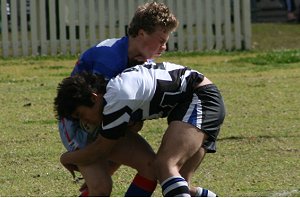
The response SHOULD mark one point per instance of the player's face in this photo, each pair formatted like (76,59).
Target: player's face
(153,45)
(89,115)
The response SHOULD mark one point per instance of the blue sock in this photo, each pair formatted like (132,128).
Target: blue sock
(175,186)
(141,187)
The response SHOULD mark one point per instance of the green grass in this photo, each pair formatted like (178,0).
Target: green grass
(258,147)
(270,36)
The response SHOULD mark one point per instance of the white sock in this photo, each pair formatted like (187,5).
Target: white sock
(175,186)
(201,192)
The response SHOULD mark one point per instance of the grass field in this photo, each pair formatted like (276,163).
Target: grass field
(258,147)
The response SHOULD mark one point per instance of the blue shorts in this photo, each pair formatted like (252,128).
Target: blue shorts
(205,110)
(73,136)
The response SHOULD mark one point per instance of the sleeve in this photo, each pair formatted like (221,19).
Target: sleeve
(123,97)
(116,116)
(116,132)
(102,60)
(84,63)
(72,136)
(116,111)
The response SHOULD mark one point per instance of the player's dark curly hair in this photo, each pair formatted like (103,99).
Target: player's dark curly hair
(75,91)
(150,16)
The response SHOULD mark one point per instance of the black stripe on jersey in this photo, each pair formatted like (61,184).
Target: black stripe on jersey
(109,118)
(155,66)
(116,132)
(137,115)
(168,93)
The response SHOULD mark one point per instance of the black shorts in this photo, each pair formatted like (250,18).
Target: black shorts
(205,110)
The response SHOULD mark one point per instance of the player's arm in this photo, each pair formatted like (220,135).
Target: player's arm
(135,126)
(100,148)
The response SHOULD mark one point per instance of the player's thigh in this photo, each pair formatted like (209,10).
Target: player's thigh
(180,142)
(134,151)
(97,178)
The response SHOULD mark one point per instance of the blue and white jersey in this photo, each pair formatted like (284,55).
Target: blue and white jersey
(145,92)
(109,58)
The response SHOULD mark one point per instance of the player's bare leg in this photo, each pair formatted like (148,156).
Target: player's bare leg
(189,169)
(134,151)
(97,175)
(180,143)
(131,150)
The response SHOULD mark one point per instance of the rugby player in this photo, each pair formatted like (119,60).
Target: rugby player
(192,104)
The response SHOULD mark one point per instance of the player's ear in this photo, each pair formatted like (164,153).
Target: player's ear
(96,97)
(141,33)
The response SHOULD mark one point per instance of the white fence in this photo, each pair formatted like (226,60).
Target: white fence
(51,27)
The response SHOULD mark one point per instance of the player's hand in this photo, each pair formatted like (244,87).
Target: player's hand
(83,187)
(70,167)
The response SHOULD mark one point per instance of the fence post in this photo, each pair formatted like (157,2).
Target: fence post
(52,26)
(228,26)
(62,27)
(4,29)
(33,27)
(237,24)
(246,25)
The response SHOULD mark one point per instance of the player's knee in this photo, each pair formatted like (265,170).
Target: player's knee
(162,167)
(100,190)
(99,193)
(145,168)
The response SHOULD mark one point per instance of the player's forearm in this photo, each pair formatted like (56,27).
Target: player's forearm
(88,155)
(78,157)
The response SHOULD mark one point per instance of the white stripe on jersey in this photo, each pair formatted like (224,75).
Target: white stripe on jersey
(108,42)
(117,122)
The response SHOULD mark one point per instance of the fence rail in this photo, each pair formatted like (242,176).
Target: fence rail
(51,27)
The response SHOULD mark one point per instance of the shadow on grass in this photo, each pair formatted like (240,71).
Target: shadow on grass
(254,137)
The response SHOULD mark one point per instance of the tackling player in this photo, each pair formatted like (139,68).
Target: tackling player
(192,104)
(148,34)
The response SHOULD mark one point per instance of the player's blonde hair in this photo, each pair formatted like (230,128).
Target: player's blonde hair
(151,16)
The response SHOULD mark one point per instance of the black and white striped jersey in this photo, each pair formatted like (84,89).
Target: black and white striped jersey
(145,92)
